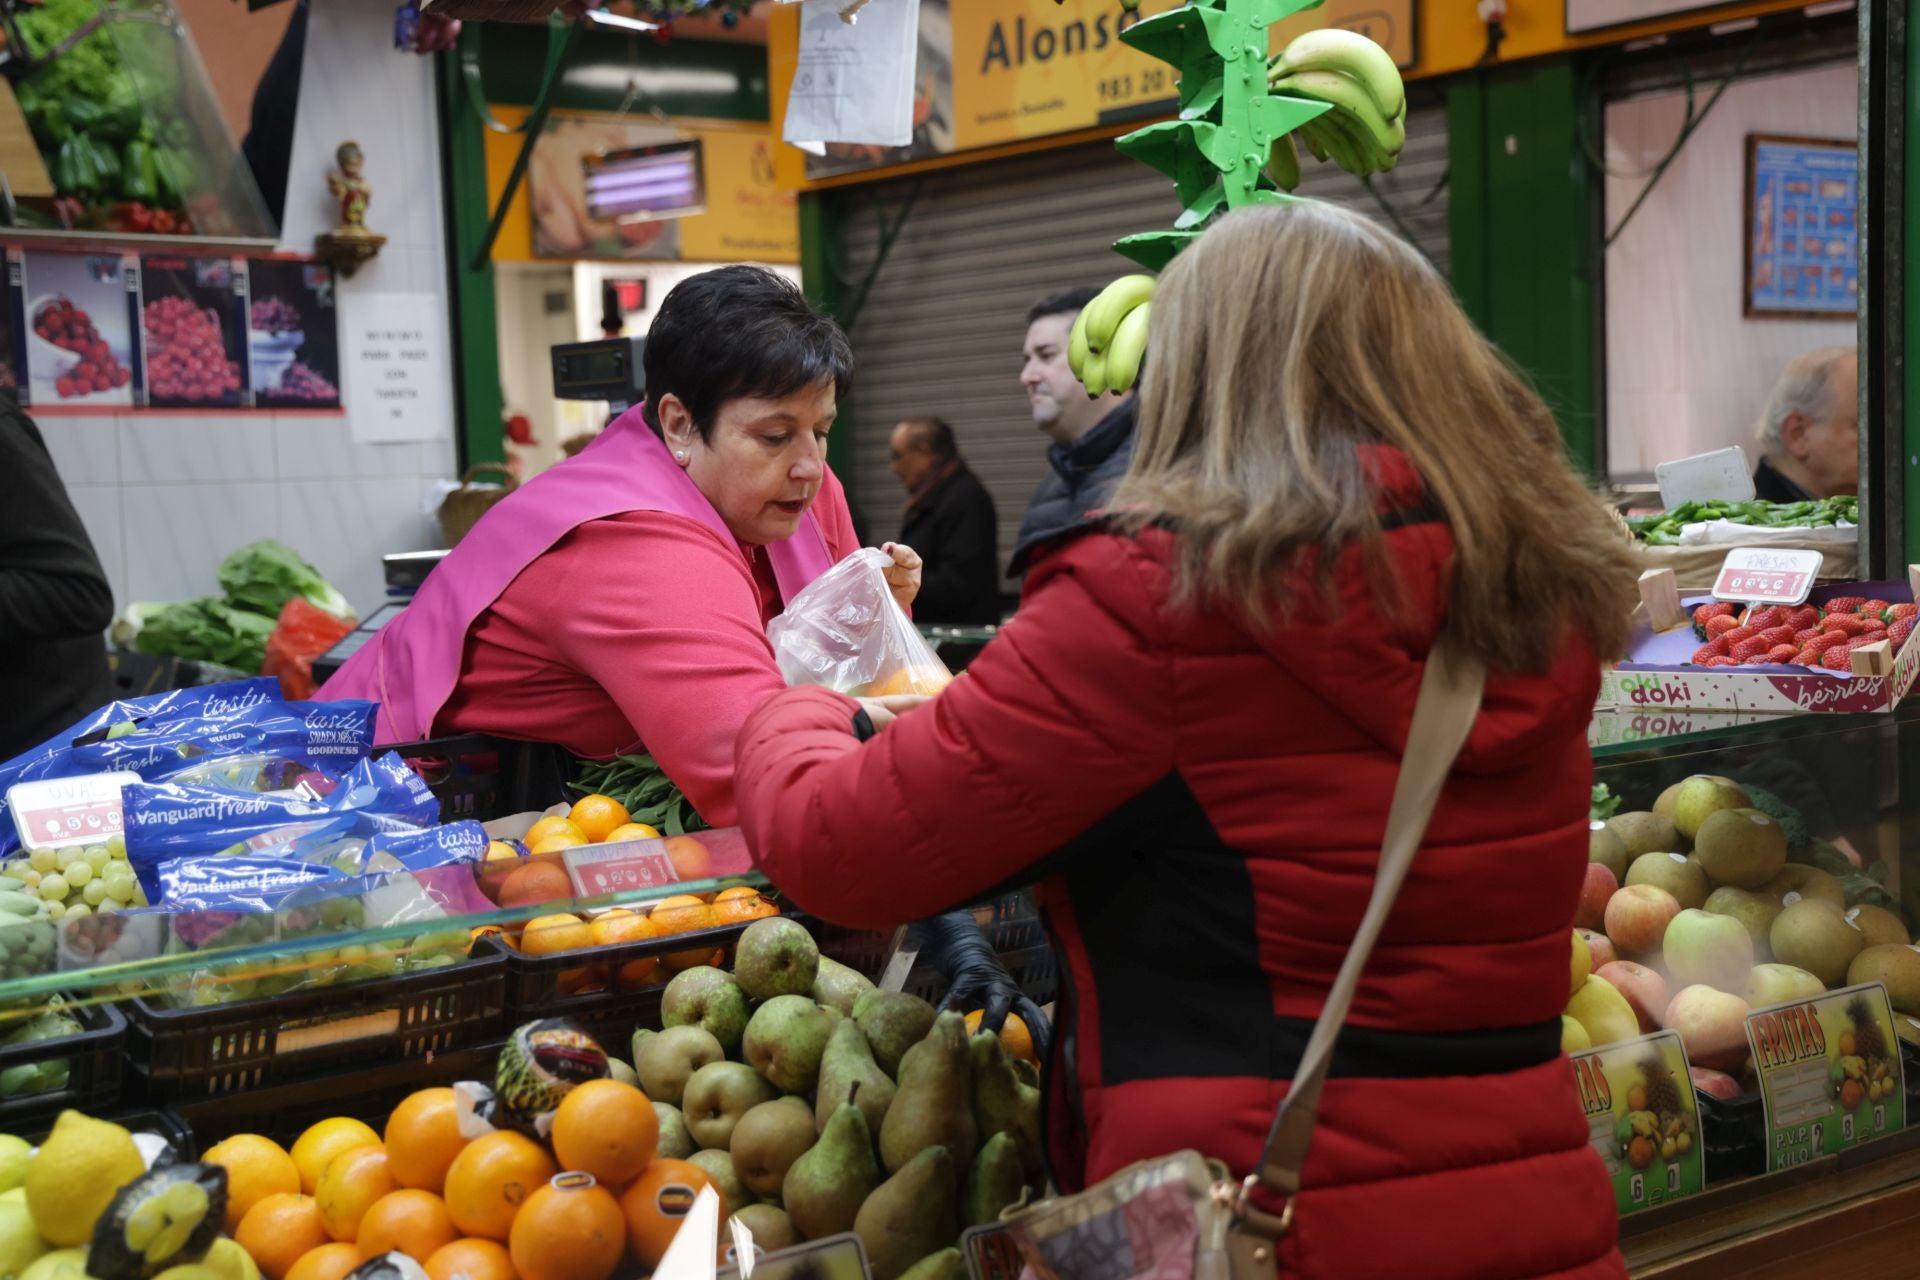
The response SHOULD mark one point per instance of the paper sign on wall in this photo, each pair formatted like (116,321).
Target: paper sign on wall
(393,359)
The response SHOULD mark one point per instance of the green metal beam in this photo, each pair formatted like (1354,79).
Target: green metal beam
(704,79)
(478,402)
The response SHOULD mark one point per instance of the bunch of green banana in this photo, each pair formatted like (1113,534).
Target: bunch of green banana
(1109,338)
(1367,125)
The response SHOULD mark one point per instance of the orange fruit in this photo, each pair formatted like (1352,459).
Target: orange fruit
(315,1149)
(1014,1036)
(562,932)
(535,882)
(923,680)
(413,1221)
(631,831)
(691,861)
(423,1136)
(278,1230)
(555,844)
(333,1261)
(491,1179)
(349,1187)
(621,925)
(552,827)
(658,1202)
(570,1229)
(471,1260)
(501,851)
(740,906)
(684,913)
(256,1168)
(599,816)
(608,1129)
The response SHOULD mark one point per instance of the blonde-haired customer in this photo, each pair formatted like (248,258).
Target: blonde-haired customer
(1189,735)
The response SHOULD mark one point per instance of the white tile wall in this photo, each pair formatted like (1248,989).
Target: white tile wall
(166,497)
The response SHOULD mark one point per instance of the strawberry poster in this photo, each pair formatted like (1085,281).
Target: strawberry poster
(192,320)
(81,348)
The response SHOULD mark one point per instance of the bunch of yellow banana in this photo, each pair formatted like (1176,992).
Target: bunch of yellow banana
(1367,126)
(1109,338)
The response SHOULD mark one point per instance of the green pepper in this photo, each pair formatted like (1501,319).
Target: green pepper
(106,163)
(119,117)
(73,170)
(138,180)
(166,178)
(82,113)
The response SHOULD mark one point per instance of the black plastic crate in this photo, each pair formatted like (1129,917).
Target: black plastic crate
(94,1064)
(226,1049)
(599,987)
(480,777)
(283,1112)
(168,1124)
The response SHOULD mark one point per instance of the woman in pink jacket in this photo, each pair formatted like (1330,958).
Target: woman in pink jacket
(618,603)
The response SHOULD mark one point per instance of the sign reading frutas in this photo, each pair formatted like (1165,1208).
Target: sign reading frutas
(1643,1118)
(1830,1073)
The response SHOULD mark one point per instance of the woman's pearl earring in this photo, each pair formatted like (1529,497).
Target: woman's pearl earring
(681,454)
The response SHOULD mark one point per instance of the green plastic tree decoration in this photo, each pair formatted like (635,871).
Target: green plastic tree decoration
(1232,146)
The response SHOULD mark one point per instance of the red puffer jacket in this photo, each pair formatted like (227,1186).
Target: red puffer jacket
(1203,808)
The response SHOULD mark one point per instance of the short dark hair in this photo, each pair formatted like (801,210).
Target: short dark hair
(734,332)
(1064,303)
(933,433)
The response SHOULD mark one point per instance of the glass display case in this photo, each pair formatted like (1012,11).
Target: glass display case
(117,101)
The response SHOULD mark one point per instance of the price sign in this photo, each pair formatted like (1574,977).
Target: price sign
(619,868)
(1767,575)
(838,1257)
(61,812)
(1830,1074)
(1643,1119)
(991,1254)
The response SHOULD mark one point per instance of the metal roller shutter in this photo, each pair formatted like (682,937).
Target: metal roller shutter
(942,328)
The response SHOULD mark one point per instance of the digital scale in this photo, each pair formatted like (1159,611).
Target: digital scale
(606,369)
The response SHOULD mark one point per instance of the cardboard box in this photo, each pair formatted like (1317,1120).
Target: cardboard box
(1658,677)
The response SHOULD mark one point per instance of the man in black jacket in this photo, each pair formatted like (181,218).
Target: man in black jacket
(1092,437)
(949,520)
(1810,429)
(55,604)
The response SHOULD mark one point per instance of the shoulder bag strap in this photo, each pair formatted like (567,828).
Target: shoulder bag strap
(1450,691)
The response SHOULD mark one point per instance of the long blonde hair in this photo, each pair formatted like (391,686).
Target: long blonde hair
(1283,340)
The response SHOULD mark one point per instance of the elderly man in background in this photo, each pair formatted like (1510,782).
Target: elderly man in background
(950,520)
(1810,430)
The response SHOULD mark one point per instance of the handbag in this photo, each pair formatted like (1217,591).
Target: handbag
(1182,1217)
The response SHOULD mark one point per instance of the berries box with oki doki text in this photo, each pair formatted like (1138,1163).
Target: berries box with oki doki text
(1664,669)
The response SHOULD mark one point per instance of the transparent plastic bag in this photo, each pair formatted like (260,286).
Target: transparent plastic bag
(846,631)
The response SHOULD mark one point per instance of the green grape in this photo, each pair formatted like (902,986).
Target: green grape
(53,887)
(117,847)
(139,895)
(73,909)
(55,911)
(42,860)
(64,858)
(95,891)
(31,879)
(98,857)
(78,874)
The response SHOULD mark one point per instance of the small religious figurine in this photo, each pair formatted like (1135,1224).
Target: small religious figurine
(348,246)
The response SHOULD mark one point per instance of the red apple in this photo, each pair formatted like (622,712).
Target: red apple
(1638,916)
(1599,886)
(1599,947)
(1717,1084)
(1645,990)
(1700,947)
(1712,1024)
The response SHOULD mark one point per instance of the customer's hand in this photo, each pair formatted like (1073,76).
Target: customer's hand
(884,711)
(903,575)
(954,944)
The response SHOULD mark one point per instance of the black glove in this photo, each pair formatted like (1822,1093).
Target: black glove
(954,944)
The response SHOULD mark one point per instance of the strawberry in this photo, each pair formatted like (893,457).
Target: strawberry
(1771,616)
(1738,634)
(1831,639)
(1803,617)
(1836,659)
(1749,650)
(1844,604)
(1807,658)
(1851,625)
(1900,611)
(1720,662)
(1700,655)
(1901,629)
(1776,635)
(1781,653)
(1808,636)
(1720,624)
(1707,612)
(1874,608)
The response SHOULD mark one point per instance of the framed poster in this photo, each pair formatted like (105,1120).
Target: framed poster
(194,319)
(293,348)
(1802,227)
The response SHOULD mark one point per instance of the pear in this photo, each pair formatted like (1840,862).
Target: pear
(948,1264)
(666,1060)
(836,986)
(767,1141)
(848,1064)
(910,1216)
(996,1180)
(826,1186)
(676,1143)
(772,1229)
(1001,1104)
(934,1107)
(717,1164)
(776,957)
(893,1023)
(786,1039)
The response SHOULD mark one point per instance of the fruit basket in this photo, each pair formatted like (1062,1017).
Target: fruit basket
(41,1078)
(224,1049)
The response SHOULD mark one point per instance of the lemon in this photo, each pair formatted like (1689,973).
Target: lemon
(81,1166)
(16,1196)
(62,1264)
(20,1244)
(230,1262)
(14,1154)
(191,1271)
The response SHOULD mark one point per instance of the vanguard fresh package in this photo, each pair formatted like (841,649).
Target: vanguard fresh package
(847,632)
(302,737)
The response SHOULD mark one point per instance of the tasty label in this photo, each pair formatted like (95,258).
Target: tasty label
(1830,1074)
(1642,1119)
